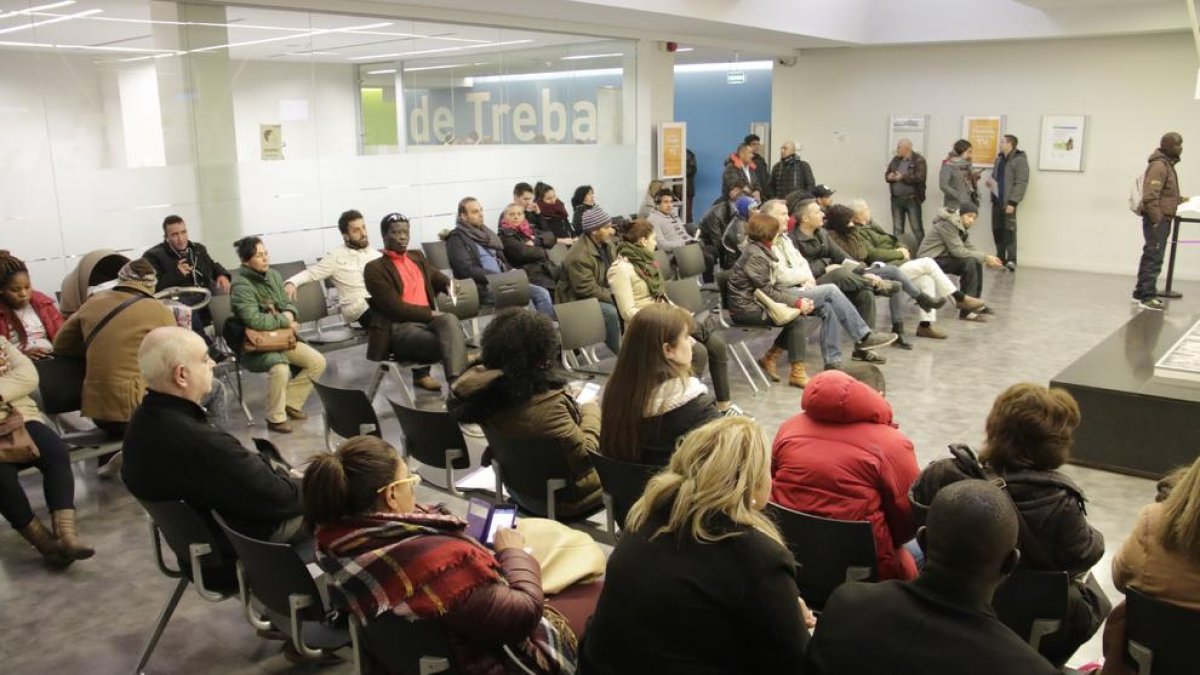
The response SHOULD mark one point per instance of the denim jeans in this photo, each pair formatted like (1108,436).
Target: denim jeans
(612,326)
(893,273)
(1156,236)
(907,208)
(838,313)
(540,299)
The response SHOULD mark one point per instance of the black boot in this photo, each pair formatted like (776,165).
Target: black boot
(928,302)
(898,329)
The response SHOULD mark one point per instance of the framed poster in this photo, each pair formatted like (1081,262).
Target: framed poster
(270,140)
(984,134)
(912,127)
(672,150)
(1062,143)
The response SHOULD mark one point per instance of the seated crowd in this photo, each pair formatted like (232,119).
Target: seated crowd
(702,579)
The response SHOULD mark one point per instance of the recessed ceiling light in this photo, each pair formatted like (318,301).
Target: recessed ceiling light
(581,57)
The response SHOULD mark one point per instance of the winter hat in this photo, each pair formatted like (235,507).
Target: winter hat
(743,206)
(594,219)
(138,274)
(967,208)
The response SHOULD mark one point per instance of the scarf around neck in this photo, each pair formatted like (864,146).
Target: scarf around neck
(522,227)
(481,235)
(645,265)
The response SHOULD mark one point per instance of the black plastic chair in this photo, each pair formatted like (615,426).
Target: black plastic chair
(434,439)
(1032,603)
(203,556)
(435,253)
(348,413)
(535,473)
(689,261)
(1159,636)
(742,332)
(828,552)
(663,260)
(275,575)
(580,329)
(221,309)
(686,294)
(509,289)
(464,304)
(623,484)
(60,391)
(403,646)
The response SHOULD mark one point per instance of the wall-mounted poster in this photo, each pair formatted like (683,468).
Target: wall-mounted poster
(270,140)
(984,134)
(672,150)
(1062,143)
(912,127)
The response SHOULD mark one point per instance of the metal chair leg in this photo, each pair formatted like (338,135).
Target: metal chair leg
(737,358)
(376,380)
(163,618)
(755,366)
(237,371)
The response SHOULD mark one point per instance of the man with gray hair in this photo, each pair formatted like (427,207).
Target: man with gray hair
(905,176)
(172,453)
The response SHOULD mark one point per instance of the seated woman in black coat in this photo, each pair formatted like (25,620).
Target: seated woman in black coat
(652,400)
(526,247)
(701,582)
(1029,432)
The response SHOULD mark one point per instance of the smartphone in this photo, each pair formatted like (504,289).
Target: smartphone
(588,393)
(503,516)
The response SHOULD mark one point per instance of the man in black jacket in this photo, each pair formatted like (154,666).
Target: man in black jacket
(791,174)
(905,176)
(476,252)
(178,261)
(943,621)
(762,170)
(171,452)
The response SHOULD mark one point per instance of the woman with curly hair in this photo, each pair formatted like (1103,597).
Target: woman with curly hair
(517,392)
(28,318)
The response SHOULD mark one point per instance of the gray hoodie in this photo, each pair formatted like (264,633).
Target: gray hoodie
(947,238)
(955,181)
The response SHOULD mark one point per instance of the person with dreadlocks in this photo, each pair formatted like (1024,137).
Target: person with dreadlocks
(28,318)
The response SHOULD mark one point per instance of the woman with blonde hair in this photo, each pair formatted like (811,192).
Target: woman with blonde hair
(648,200)
(701,582)
(1161,559)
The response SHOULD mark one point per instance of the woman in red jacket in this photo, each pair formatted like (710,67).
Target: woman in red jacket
(386,553)
(28,318)
(844,458)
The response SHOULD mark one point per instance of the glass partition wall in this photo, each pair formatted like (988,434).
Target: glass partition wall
(244,120)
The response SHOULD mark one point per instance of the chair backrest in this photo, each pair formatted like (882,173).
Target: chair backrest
(435,253)
(289,269)
(509,289)
(406,647)
(686,294)
(558,253)
(1158,635)
(689,261)
(1033,604)
(274,573)
(466,300)
(624,482)
(525,467)
(580,323)
(221,308)
(347,410)
(828,552)
(310,301)
(664,264)
(60,384)
(182,525)
(428,434)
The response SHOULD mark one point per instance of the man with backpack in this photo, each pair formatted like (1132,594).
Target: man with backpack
(1160,200)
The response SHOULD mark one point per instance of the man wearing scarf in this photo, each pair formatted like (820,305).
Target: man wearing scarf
(476,252)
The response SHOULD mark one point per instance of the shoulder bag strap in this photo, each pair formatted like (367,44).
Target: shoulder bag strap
(109,317)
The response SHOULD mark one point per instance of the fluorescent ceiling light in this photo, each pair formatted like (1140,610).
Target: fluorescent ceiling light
(395,55)
(558,75)
(722,67)
(385,71)
(685,49)
(46,22)
(311,33)
(452,65)
(581,57)
(39,8)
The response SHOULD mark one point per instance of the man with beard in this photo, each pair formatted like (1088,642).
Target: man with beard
(345,264)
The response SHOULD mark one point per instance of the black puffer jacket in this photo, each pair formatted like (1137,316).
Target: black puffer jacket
(684,405)
(535,259)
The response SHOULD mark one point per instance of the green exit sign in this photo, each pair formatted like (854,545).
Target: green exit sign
(735,77)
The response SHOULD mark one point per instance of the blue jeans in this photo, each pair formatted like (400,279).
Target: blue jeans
(893,273)
(540,299)
(612,326)
(829,300)
(1156,236)
(907,208)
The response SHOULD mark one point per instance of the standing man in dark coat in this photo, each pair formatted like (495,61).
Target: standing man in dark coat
(762,169)
(791,174)
(1010,176)
(905,176)
(1161,198)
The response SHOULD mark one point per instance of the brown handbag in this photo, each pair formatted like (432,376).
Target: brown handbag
(277,340)
(16,445)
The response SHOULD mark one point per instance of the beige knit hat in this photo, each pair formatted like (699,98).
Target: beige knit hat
(138,274)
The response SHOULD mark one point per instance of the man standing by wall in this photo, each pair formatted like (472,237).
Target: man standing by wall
(957,179)
(740,167)
(762,170)
(790,173)
(1010,176)
(905,176)
(1160,200)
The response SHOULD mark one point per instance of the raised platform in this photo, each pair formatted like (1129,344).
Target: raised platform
(1133,422)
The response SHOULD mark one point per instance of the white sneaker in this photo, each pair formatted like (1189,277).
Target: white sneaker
(112,470)
(734,411)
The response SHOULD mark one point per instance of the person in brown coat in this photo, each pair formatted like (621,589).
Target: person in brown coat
(517,393)
(107,331)
(404,321)
(1161,198)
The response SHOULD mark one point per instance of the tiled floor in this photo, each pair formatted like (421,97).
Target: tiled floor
(95,616)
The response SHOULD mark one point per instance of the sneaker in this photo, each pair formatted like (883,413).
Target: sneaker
(869,357)
(836,365)
(986,310)
(1010,266)
(977,317)
(734,411)
(901,343)
(472,430)
(874,340)
(1153,304)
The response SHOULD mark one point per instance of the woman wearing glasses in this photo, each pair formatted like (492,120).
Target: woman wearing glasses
(386,553)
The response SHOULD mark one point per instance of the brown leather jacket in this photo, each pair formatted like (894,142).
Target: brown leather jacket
(1160,188)
(497,614)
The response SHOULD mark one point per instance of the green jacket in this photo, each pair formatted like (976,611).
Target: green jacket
(253,296)
(584,274)
(880,246)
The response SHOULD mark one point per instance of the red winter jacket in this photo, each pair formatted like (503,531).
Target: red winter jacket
(44,307)
(843,458)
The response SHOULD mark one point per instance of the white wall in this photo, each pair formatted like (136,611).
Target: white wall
(836,104)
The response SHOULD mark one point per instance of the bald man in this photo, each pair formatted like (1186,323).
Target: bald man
(905,176)
(171,451)
(941,622)
(1161,198)
(791,174)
